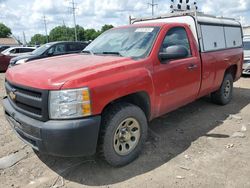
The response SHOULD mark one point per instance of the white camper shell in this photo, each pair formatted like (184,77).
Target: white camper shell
(211,33)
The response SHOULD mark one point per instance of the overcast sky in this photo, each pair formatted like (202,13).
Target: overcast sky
(26,15)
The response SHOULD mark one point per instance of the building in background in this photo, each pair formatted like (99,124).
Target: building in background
(9,42)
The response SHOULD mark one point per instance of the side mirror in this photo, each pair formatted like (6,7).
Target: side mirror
(173,52)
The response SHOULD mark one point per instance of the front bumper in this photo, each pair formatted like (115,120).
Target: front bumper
(65,138)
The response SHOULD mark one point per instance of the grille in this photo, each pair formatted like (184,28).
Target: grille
(29,101)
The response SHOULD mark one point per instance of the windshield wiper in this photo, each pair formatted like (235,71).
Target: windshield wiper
(88,52)
(112,53)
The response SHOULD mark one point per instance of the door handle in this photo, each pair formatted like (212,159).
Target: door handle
(192,67)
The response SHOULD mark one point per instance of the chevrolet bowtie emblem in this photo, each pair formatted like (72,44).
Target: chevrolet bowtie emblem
(12,95)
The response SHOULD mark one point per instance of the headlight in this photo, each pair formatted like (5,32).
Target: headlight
(67,104)
(21,61)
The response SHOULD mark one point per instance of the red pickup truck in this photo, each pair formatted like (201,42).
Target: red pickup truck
(102,99)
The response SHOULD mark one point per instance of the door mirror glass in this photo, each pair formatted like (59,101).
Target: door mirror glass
(173,52)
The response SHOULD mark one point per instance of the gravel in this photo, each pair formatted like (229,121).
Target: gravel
(177,153)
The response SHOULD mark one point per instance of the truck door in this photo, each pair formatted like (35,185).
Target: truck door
(177,81)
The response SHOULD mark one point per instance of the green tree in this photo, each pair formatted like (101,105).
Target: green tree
(96,34)
(38,39)
(61,33)
(91,34)
(4,31)
(106,27)
(80,33)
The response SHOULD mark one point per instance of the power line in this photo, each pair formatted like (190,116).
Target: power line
(73,8)
(152,4)
(45,27)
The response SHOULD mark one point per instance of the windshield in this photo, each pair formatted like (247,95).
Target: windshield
(135,42)
(41,50)
(246,45)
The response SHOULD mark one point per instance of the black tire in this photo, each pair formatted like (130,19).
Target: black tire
(224,95)
(113,117)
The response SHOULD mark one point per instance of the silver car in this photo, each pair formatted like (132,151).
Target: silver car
(246,65)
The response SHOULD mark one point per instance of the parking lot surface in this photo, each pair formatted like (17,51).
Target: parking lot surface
(199,145)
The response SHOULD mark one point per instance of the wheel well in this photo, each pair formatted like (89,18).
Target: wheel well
(232,70)
(140,99)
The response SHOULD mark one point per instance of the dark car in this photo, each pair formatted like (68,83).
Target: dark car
(2,48)
(49,50)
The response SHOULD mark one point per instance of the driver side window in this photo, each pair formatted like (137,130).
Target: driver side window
(176,36)
(14,51)
(57,50)
(51,51)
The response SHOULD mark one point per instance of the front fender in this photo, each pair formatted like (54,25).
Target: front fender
(109,88)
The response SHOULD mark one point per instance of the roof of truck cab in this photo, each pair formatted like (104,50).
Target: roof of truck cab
(198,16)
(152,24)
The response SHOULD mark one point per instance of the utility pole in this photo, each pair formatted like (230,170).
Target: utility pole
(66,33)
(74,16)
(45,27)
(152,4)
(24,39)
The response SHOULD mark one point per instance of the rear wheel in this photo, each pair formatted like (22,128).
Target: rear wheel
(124,133)
(224,95)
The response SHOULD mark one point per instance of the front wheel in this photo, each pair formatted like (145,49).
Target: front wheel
(124,133)
(224,95)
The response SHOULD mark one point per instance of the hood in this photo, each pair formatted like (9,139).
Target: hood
(26,56)
(53,73)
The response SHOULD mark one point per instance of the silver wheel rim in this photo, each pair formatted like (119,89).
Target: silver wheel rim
(127,136)
(227,89)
